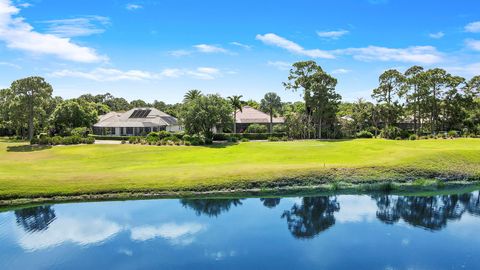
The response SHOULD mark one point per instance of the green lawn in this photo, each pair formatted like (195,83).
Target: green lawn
(68,170)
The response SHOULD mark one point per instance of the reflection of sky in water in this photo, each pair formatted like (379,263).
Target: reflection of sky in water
(347,231)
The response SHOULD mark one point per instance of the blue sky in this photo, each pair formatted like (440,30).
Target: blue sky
(159,49)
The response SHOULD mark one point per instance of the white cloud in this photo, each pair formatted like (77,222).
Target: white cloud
(414,54)
(332,34)
(278,41)
(208,70)
(437,35)
(179,53)
(107,74)
(356,209)
(131,6)
(247,47)
(18,34)
(204,73)
(111,74)
(473,44)
(82,26)
(206,48)
(176,233)
(171,73)
(473,27)
(281,65)
(340,71)
(25,5)
(8,64)
(465,70)
(67,229)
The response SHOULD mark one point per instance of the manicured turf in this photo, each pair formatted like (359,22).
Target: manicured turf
(65,170)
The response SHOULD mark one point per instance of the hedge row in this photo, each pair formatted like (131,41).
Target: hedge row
(57,140)
(106,137)
(249,136)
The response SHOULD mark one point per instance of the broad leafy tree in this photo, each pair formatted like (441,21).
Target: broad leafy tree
(71,114)
(138,103)
(204,113)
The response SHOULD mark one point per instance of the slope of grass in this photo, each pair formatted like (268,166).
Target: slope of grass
(71,170)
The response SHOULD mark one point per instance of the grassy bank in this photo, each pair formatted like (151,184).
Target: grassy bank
(31,172)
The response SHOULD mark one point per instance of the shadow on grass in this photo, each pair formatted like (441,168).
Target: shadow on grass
(334,140)
(220,144)
(27,148)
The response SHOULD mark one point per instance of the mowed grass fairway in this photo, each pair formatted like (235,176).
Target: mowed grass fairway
(82,169)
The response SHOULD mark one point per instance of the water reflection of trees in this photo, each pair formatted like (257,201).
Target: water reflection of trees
(35,218)
(312,216)
(210,207)
(430,213)
(270,202)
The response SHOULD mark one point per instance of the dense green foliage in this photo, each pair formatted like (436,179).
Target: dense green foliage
(256,128)
(205,113)
(58,140)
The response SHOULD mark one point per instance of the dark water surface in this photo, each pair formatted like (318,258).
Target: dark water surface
(326,232)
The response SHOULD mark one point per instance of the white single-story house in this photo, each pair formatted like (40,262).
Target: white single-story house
(249,116)
(137,121)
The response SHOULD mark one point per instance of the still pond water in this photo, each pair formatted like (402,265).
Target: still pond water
(326,232)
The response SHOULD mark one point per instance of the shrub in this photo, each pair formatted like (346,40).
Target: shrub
(57,140)
(232,139)
(195,139)
(256,128)
(124,142)
(221,136)
(250,136)
(152,138)
(179,135)
(163,134)
(364,134)
(80,132)
(280,128)
(112,138)
(208,141)
(187,143)
(273,139)
(244,140)
(390,133)
(413,137)
(453,134)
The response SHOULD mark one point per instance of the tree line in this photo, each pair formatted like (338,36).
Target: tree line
(415,102)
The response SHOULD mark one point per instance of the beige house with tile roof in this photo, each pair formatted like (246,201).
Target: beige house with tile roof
(249,116)
(137,121)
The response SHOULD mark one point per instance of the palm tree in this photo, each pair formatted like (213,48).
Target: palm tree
(237,105)
(271,103)
(191,95)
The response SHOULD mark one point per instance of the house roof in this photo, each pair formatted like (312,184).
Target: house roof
(249,115)
(137,117)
